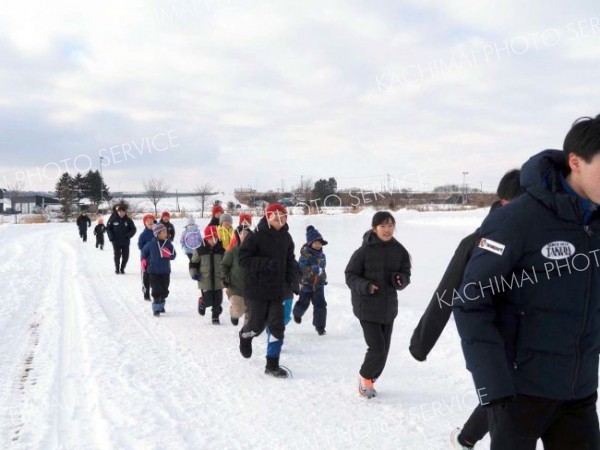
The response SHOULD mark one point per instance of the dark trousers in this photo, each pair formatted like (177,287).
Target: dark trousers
(100,241)
(189,255)
(83,233)
(214,299)
(159,283)
(378,337)
(146,284)
(121,255)
(317,298)
(476,426)
(262,313)
(561,425)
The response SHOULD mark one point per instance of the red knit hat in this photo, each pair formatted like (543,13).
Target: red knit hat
(276,207)
(217,209)
(211,232)
(148,216)
(247,218)
(165,214)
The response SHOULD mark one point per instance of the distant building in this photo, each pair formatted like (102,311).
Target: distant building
(33,203)
(2,200)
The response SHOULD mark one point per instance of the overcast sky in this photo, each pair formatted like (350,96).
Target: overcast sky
(260,93)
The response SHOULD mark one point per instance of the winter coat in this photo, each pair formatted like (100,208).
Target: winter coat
(267,255)
(206,261)
(214,221)
(436,316)
(188,229)
(157,263)
(233,271)
(225,235)
(170,230)
(145,237)
(541,336)
(83,221)
(120,231)
(312,265)
(99,229)
(374,263)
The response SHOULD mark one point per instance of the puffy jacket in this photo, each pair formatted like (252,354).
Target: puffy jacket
(233,271)
(145,237)
(83,221)
(206,261)
(374,263)
(539,334)
(157,263)
(267,255)
(120,230)
(312,264)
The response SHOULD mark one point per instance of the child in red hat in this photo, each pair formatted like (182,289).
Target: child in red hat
(205,268)
(165,219)
(145,237)
(217,210)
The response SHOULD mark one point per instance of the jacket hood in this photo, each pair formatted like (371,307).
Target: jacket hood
(370,238)
(541,178)
(263,225)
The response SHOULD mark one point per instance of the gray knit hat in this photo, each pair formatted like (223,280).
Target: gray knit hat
(225,218)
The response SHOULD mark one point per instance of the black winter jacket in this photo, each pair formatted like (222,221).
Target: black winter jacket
(543,337)
(271,269)
(120,231)
(374,263)
(83,221)
(170,230)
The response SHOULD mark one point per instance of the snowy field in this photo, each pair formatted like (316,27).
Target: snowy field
(85,365)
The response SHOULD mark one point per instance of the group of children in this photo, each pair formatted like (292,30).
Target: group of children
(260,275)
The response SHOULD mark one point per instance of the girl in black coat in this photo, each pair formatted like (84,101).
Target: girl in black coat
(379,268)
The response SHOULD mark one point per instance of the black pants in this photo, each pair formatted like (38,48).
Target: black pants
(100,240)
(146,284)
(121,256)
(83,233)
(476,426)
(319,306)
(159,283)
(262,313)
(189,255)
(562,425)
(214,299)
(378,337)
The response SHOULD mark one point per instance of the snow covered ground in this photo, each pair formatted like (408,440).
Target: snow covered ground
(85,365)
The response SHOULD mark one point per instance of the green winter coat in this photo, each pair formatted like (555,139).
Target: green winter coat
(231,269)
(206,261)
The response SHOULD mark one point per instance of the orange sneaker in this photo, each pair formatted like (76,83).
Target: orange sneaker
(366,387)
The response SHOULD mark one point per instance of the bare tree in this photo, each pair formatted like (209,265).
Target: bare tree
(302,192)
(203,193)
(13,191)
(156,190)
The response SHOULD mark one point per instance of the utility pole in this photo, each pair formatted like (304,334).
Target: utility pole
(101,183)
(466,197)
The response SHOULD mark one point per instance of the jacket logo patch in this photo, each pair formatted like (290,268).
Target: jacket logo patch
(491,246)
(558,250)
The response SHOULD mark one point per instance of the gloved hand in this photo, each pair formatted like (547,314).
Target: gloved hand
(144,264)
(197,276)
(273,266)
(373,288)
(165,252)
(397,280)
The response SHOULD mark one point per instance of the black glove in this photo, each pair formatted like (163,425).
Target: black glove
(295,287)
(398,280)
(197,276)
(273,266)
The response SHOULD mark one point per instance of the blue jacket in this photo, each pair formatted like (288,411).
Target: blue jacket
(145,237)
(156,263)
(312,265)
(540,333)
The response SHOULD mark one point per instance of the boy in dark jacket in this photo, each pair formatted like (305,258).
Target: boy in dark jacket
(314,278)
(267,256)
(83,223)
(156,260)
(438,311)
(165,219)
(375,272)
(99,233)
(205,268)
(146,236)
(120,230)
(533,351)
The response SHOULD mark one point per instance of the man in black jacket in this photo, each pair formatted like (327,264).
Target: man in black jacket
(438,311)
(120,229)
(533,354)
(83,223)
(271,271)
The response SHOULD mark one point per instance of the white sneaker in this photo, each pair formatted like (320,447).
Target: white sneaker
(454,440)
